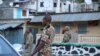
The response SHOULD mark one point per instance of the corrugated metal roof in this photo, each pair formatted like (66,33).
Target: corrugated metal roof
(6,26)
(70,17)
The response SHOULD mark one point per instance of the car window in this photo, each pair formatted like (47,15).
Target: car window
(6,49)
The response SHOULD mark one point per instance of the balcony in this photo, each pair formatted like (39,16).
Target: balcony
(80,7)
(81,39)
(89,7)
(89,38)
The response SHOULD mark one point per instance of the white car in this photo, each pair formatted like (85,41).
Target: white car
(19,48)
(6,48)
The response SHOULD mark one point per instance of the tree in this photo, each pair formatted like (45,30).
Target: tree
(79,1)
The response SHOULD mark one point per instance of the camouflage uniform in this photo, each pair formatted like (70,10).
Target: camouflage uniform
(67,34)
(28,40)
(48,34)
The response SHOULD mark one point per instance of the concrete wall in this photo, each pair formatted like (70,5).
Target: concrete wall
(90,29)
(6,13)
(31,6)
(5,10)
(6,3)
(94,29)
(9,12)
(74,27)
(48,6)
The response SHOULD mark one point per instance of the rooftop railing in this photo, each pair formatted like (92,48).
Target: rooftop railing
(82,7)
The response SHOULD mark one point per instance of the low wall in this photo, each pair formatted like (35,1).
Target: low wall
(75,49)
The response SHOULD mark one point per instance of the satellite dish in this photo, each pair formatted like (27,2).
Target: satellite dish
(1,2)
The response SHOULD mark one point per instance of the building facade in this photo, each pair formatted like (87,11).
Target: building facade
(79,18)
(83,18)
(13,20)
(62,6)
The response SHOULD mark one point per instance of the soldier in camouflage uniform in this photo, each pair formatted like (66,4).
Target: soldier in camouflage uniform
(67,34)
(28,42)
(47,36)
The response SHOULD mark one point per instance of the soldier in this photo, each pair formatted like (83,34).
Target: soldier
(67,34)
(28,42)
(48,33)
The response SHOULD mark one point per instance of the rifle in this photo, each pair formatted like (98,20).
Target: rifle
(39,46)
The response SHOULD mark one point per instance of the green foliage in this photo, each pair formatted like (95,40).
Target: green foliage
(79,1)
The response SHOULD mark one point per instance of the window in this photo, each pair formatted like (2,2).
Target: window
(57,29)
(64,3)
(6,49)
(55,4)
(82,28)
(12,37)
(41,4)
(69,8)
(93,23)
(24,12)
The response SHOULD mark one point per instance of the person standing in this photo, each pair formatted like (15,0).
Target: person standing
(28,42)
(67,34)
(47,36)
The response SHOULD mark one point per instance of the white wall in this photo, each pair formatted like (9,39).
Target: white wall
(48,5)
(31,6)
(14,12)
(65,8)
(73,7)
(76,7)
(95,7)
